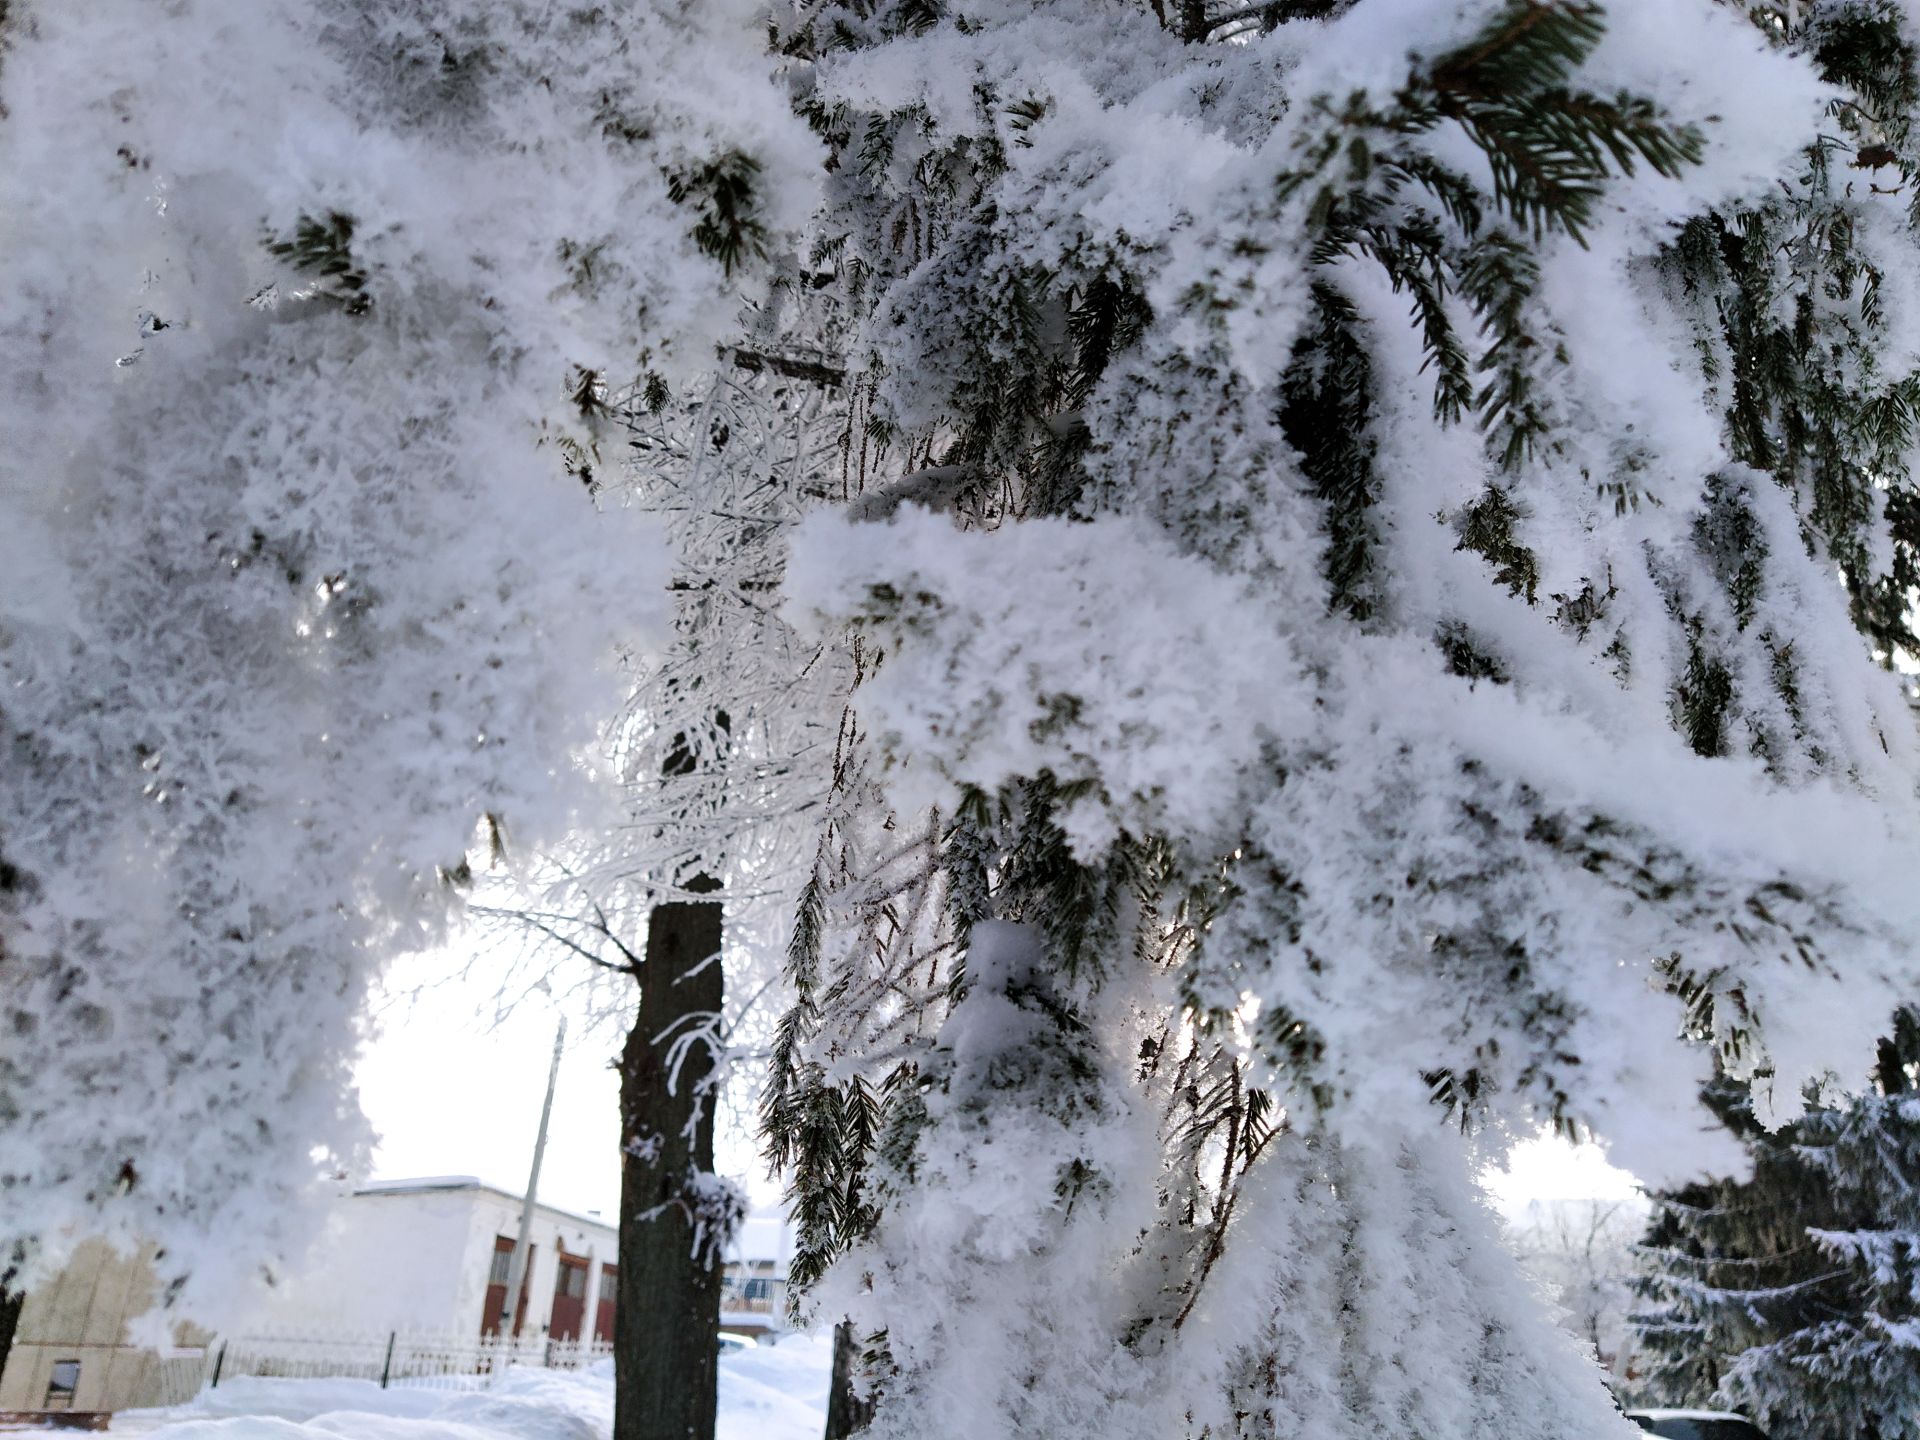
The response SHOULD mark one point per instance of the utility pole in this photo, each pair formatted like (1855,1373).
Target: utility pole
(517,1267)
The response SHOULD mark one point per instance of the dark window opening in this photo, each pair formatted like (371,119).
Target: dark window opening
(60,1387)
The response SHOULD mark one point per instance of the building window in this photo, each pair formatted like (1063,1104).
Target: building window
(609,1284)
(65,1380)
(759,1288)
(502,1265)
(573,1281)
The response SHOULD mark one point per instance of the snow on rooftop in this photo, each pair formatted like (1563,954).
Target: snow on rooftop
(763,1235)
(1689,1415)
(423,1182)
(443,1184)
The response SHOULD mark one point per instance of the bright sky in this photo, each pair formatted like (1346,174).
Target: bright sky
(452,1092)
(1549,1168)
(455,1093)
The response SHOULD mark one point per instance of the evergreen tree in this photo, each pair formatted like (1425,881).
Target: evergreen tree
(1793,1293)
(1353,642)
(1376,538)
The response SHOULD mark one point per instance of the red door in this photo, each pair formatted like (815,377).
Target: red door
(495,1308)
(609,1294)
(569,1299)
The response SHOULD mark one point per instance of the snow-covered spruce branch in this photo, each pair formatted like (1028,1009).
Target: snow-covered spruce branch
(1274,714)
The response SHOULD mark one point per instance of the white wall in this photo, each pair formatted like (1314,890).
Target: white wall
(418,1260)
(384,1262)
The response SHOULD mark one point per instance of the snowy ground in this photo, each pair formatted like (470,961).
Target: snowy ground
(770,1393)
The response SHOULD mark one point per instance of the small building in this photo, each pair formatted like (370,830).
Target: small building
(753,1295)
(71,1351)
(426,1259)
(432,1255)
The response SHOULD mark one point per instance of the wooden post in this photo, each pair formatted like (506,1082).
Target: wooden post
(386,1370)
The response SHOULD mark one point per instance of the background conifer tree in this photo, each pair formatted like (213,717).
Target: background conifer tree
(1793,1294)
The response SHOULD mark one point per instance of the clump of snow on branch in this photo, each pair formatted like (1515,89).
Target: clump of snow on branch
(1498,803)
(1365,1292)
(719,1207)
(1097,654)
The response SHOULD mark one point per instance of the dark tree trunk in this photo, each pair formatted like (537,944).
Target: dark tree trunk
(666,1323)
(10,1303)
(847,1413)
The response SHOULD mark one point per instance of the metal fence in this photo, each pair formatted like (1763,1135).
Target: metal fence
(396,1358)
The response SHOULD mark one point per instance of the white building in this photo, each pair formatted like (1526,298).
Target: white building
(426,1259)
(431,1255)
(72,1350)
(754,1298)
